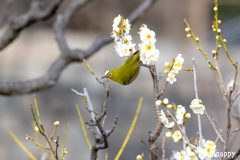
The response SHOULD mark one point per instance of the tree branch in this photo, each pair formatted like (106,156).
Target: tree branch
(152,136)
(4,14)
(34,14)
(196,96)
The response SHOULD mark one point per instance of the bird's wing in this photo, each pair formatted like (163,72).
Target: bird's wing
(130,58)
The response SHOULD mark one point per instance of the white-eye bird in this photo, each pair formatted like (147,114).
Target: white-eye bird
(128,72)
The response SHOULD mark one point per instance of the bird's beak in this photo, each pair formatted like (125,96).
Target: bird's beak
(103,77)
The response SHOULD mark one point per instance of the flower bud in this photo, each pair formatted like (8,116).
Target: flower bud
(170,106)
(56,123)
(189,35)
(139,157)
(187,29)
(36,129)
(167,64)
(168,134)
(187,116)
(166,71)
(165,101)
(158,102)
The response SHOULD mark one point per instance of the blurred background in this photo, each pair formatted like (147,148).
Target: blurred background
(31,54)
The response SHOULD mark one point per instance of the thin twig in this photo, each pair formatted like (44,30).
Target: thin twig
(163,90)
(109,132)
(184,131)
(187,69)
(214,126)
(218,136)
(236,130)
(220,77)
(196,95)
(234,99)
(163,149)
(225,48)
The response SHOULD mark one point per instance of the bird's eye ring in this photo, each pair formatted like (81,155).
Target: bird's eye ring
(110,74)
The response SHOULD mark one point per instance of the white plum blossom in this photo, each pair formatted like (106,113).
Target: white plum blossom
(126,26)
(180,114)
(123,50)
(127,39)
(177,66)
(170,125)
(148,53)
(176,136)
(191,154)
(201,152)
(209,152)
(179,58)
(164,118)
(115,35)
(210,144)
(149,56)
(147,35)
(171,78)
(197,107)
(132,47)
(210,148)
(181,156)
(117,21)
(180,121)
(123,41)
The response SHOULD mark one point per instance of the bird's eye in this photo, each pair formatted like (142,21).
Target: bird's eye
(110,74)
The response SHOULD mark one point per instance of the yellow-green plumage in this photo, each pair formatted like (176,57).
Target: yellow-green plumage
(128,72)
